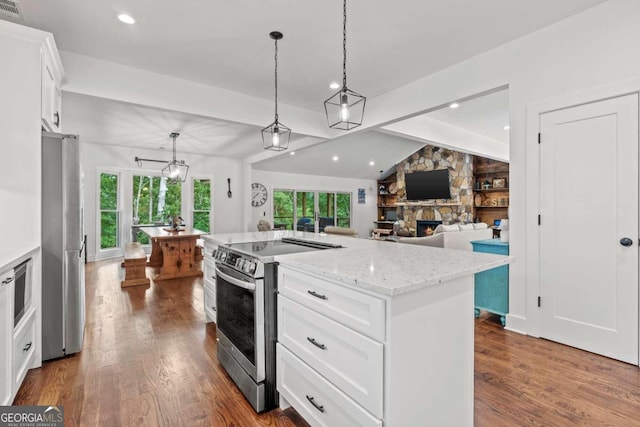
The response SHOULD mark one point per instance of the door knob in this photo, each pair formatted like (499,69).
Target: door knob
(625,241)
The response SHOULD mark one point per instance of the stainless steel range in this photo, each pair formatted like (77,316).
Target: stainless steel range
(246,288)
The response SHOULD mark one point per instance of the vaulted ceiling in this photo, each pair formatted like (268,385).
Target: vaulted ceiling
(226,45)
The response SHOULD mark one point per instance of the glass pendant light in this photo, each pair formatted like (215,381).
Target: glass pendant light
(345,109)
(176,170)
(276,136)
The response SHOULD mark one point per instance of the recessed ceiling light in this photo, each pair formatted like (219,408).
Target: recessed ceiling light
(292,153)
(507,127)
(371,163)
(126,19)
(454,105)
(335,158)
(334,85)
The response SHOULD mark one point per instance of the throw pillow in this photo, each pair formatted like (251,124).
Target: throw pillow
(466,227)
(446,228)
(480,226)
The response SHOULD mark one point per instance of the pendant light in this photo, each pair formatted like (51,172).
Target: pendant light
(345,109)
(176,170)
(276,136)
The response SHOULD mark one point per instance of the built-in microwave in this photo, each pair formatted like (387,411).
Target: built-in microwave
(22,293)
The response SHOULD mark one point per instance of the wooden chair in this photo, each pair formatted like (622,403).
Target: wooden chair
(135,263)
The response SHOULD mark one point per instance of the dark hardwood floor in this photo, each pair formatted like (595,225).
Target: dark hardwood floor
(149,359)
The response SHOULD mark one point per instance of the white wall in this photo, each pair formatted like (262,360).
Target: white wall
(362,215)
(227,212)
(595,48)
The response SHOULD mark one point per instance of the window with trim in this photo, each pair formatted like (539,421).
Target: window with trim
(283,209)
(154,199)
(109,215)
(201,204)
(295,210)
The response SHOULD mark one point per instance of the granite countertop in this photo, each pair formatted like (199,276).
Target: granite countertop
(388,268)
(9,257)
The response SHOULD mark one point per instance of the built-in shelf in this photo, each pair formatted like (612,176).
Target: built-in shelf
(488,190)
(491,172)
(490,207)
(410,204)
(386,206)
(384,222)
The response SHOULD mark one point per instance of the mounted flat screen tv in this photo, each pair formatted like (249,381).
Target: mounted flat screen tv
(428,185)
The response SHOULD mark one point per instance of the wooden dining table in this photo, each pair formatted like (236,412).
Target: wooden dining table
(174,252)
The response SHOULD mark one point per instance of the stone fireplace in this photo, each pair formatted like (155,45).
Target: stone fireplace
(426,227)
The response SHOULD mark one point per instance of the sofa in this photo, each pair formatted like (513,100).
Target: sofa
(454,236)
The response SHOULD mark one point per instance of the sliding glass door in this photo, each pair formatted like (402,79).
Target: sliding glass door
(310,210)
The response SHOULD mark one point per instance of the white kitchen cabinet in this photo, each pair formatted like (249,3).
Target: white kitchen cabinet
(6,328)
(51,107)
(355,357)
(24,346)
(209,271)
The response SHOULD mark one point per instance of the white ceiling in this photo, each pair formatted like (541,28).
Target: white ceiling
(226,43)
(486,115)
(354,152)
(105,121)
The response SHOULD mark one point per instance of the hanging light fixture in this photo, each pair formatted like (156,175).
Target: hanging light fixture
(276,136)
(176,170)
(345,109)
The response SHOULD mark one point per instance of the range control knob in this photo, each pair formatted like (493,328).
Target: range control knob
(239,263)
(247,266)
(252,268)
(223,256)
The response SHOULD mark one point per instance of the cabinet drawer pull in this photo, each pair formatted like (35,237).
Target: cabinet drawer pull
(315,405)
(316,343)
(6,282)
(27,347)
(56,119)
(317,295)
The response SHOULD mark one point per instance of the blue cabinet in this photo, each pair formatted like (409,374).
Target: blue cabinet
(492,286)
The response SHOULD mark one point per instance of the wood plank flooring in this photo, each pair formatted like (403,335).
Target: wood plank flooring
(150,360)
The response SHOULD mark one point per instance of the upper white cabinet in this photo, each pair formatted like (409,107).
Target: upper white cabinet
(51,95)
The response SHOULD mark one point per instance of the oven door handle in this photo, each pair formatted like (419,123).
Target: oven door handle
(236,282)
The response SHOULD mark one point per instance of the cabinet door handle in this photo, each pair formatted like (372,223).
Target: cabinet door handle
(315,405)
(7,281)
(317,295)
(56,119)
(316,343)
(27,347)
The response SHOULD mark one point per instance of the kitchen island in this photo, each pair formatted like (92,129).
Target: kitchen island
(375,332)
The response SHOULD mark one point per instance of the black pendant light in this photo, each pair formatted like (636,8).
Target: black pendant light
(345,109)
(176,170)
(276,136)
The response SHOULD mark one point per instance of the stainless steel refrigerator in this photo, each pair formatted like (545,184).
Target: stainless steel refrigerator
(62,246)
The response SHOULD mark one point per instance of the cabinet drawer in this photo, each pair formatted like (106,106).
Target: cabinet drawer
(24,344)
(318,401)
(210,303)
(357,310)
(345,357)
(209,269)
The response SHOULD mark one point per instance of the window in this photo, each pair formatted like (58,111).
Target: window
(202,204)
(153,201)
(300,207)
(343,209)
(283,209)
(109,216)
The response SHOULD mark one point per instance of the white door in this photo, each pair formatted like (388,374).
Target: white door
(589,202)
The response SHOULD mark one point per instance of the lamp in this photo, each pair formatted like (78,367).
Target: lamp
(176,170)
(345,109)
(276,136)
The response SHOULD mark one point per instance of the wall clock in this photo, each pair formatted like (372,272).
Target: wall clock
(258,194)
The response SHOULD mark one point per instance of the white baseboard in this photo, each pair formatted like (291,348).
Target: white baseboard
(516,324)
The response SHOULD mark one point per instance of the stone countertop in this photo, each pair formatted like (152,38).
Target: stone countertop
(10,257)
(387,268)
